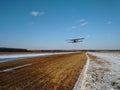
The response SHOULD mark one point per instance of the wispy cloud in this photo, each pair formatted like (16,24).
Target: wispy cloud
(74,27)
(109,22)
(34,13)
(78,23)
(83,23)
(88,36)
(37,13)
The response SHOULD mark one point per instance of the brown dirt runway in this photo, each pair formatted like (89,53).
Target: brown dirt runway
(58,72)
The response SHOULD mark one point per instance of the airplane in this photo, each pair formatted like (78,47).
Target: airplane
(76,40)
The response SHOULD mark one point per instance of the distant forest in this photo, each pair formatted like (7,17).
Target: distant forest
(2,49)
(13,50)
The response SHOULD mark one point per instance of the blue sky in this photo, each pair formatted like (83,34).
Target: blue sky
(47,24)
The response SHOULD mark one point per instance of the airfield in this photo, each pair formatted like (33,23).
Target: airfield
(63,71)
(57,72)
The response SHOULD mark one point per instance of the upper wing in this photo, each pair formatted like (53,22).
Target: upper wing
(77,39)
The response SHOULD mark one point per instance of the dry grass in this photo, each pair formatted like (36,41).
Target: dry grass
(58,72)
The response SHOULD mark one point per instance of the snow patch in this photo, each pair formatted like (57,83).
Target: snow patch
(30,55)
(17,67)
(5,58)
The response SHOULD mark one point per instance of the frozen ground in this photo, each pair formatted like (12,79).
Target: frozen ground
(103,72)
(5,58)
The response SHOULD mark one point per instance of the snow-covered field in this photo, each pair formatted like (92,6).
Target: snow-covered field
(103,72)
(5,58)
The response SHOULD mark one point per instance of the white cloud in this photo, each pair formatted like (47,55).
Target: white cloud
(109,22)
(36,13)
(83,23)
(88,36)
(74,27)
